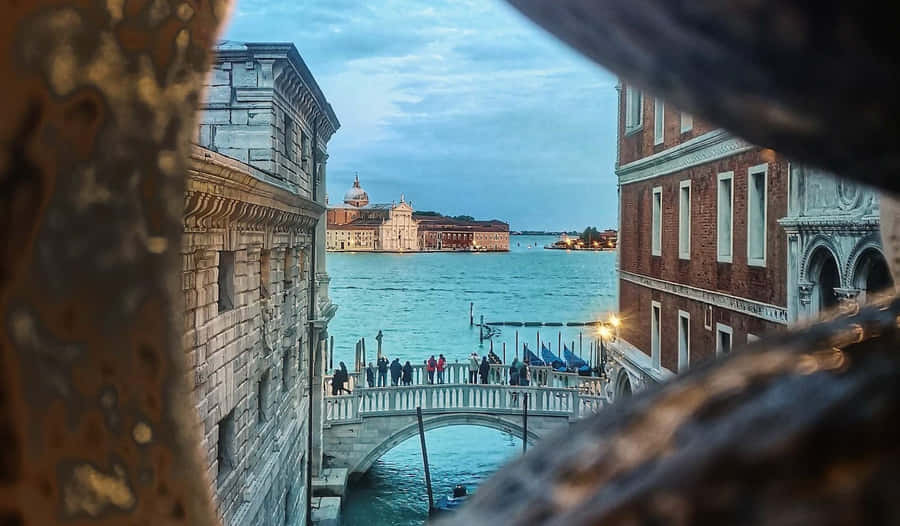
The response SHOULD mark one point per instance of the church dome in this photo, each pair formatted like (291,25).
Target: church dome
(356,196)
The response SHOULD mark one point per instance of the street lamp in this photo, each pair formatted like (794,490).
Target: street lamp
(616,322)
(604,334)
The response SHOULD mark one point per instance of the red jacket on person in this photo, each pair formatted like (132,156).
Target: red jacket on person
(430,365)
(441,364)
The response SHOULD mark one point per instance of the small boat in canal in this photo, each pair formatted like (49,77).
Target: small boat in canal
(447,504)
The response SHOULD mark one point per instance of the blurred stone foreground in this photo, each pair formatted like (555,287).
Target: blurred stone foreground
(96,416)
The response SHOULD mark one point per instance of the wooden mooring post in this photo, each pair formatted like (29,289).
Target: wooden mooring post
(331,355)
(580,352)
(363,346)
(517,344)
(425,459)
(559,343)
(504,352)
(481,330)
(471,313)
(524,422)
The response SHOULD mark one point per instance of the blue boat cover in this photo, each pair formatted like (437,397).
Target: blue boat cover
(572,360)
(531,358)
(552,359)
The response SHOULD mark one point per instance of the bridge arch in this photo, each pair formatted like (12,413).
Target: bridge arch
(504,424)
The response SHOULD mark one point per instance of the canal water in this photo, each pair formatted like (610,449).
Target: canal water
(421,304)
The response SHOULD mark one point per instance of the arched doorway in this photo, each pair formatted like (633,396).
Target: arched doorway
(871,274)
(825,277)
(623,385)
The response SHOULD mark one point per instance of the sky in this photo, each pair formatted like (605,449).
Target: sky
(463,106)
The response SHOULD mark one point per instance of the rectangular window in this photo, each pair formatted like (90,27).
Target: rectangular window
(659,121)
(756,215)
(285,372)
(655,313)
(288,133)
(687,122)
(305,150)
(656,228)
(262,397)
(288,268)
(752,338)
(684,340)
(723,339)
(225,453)
(265,273)
(684,220)
(724,213)
(708,318)
(226,281)
(634,104)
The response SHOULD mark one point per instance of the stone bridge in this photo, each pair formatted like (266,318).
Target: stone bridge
(363,426)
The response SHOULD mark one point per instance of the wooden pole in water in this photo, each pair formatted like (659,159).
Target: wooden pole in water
(471,313)
(504,352)
(492,345)
(559,342)
(524,422)
(481,330)
(580,352)
(538,348)
(517,344)
(425,459)
(331,355)
(363,350)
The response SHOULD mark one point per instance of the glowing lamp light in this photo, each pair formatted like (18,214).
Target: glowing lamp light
(615,321)
(604,332)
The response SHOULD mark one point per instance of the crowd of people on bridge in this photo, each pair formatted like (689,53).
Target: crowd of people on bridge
(479,368)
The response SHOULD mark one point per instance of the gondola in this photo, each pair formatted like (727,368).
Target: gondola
(447,504)
(555,362)
(575,363)
(531,358)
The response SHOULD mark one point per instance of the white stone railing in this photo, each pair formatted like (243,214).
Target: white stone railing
(458,373)
(450,398)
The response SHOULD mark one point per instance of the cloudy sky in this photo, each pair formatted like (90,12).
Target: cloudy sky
(464,106)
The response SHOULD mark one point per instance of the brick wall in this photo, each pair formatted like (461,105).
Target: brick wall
(638,143)
(636,303)
(766,284)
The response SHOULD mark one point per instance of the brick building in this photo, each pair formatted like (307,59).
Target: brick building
(256,291)
(444,233)
(702,259)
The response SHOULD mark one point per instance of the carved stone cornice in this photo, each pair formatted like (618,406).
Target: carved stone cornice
(757,309)
(711,146)
(222,192)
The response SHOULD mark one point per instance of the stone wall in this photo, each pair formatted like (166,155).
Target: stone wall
(246,281)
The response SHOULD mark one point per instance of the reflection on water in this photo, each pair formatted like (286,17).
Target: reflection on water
(393,491)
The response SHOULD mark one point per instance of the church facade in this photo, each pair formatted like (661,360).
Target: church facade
(360,226)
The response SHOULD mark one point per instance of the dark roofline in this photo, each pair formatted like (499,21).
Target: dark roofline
(290,52)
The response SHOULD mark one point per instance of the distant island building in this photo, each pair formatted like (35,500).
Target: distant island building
(357,225)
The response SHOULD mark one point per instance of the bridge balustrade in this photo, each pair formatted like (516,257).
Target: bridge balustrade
(460,398)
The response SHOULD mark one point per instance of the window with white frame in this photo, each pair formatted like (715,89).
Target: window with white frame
(723,339)
(656,228)
(756,215)
(725,217)
(752,338)
(684,340)
(655,313)
(659,121)
(684,220)
(634,105)
(687,122)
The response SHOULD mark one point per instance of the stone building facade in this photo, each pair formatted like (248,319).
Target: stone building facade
(444,233)
(358,225)
(834,244)
(254,280)
(701,259)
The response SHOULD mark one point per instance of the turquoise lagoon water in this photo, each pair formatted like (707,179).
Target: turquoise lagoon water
(421,304)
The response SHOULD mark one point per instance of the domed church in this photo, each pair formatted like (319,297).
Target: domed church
(357,225)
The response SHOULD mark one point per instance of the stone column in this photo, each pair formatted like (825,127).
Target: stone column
(318,399)
(807,309)
(793,277)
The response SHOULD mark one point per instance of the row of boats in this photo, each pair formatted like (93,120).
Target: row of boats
(570,362)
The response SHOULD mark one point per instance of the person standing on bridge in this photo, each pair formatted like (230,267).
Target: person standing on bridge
(473,368)
(382,371)
(396,370)
(430,367)
(407,373)
(441,365)
(514,372)
(370,375)
(484,369)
